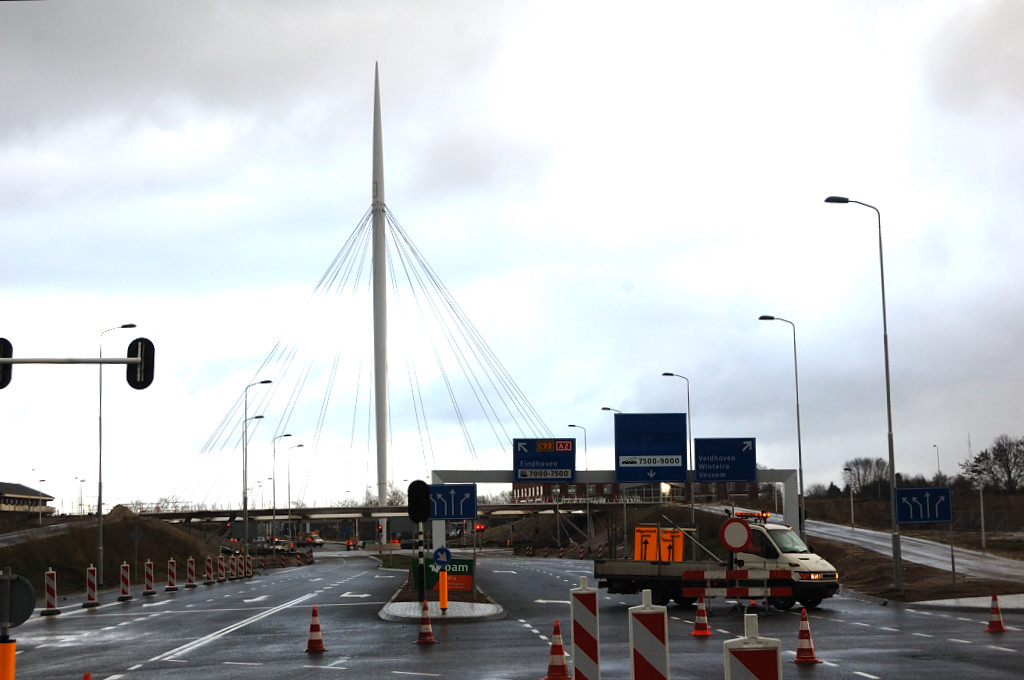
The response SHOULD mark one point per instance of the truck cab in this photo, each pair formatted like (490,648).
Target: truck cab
(777,546)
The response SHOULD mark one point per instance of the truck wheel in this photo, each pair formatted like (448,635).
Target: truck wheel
(659,594)
(782,603)
(810,602)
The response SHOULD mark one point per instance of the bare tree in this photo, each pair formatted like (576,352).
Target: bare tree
(1000,466)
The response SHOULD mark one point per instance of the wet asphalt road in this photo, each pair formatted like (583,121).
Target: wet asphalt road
(259,628)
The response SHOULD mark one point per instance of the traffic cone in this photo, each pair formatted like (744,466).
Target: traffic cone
(87,676)
(315,644)
(804,644)
(426,636)
(995,617)
(700,626)
(557,670)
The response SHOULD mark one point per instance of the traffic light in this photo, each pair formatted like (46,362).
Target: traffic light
(480,527)
(6,352)
(140,376)
(419,501)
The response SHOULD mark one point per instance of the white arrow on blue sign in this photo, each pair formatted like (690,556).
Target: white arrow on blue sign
(452,501)
(927,504)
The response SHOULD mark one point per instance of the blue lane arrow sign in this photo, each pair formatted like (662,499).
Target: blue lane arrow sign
(928,504)
(453,501)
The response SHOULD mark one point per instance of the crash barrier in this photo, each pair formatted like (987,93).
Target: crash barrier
(586,632)
(91,600)
(90,588)
(126,583)
(648,640)
(148,588)
(172,575)
(50,584)
(752,656)
(739,583)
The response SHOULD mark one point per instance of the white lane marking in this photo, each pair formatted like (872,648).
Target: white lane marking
(195,644)
(866,675)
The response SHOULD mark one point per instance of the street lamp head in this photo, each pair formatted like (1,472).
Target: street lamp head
(609,408)
(766,317)
(265,382)
(128,325)
(837,199)
(667,374)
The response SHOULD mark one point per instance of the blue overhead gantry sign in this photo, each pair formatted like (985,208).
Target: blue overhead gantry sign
(650,447)
(928,504)
(544,460)
(725,459)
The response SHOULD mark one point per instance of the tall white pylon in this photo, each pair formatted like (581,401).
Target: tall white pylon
(380,306)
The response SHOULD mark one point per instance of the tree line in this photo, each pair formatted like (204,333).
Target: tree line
(999,468)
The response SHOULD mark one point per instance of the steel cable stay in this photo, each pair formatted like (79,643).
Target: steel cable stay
(466,370)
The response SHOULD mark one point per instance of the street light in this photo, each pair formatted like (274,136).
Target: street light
(850,482)
(609,408)
(41,504)
(245,462)
(297,446)
(938,465)
(586,460)
(897,559)
(689,455)
(799,444)
(273,495)
(99,483)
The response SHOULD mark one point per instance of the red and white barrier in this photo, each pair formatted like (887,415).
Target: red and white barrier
(586,632)
(648,640)
(50,584)
(90,588)
(126,583)
(208,577)
(190,573)
(581,552)
(222,569)
(248,565)
(752,657)
(233,568)
(172,575)
(148,588)
(600,551)
(752,583)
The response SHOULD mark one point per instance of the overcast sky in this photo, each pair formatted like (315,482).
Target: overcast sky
(609,191)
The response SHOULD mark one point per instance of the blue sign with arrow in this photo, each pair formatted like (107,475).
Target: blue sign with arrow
(928,504)
(452,501)
(650,447)
(725,459)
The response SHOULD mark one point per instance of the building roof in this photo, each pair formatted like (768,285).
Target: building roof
(21,491)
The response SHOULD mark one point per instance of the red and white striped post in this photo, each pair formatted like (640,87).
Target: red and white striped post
(586,632)
(263,563)
(50,583)
(600,551)
(581,552)
(208,577)
(147,589)
(561,552)
(90,588)
(172,575)
(282,560)
(126,583)
(232,568)
(248,565)
(648,640)
(190,573)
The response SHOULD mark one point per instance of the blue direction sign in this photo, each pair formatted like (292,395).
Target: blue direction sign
(725,459)
(442,557)
(453,501)
(544,460)
(650,447)
(929,504)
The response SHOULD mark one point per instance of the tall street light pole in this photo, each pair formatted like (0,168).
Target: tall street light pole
(273,494)
(897,559)
(99,483)
(297,446)
(586,460)
(938,465)
(245,462)
(850,482)
(799,444)
(689,456)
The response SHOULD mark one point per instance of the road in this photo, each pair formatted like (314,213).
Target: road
(258,628)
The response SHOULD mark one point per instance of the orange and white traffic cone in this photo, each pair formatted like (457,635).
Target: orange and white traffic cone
(557,669)
(315,644)
(995,617)
(426,636)
(804,644)
(700,625)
